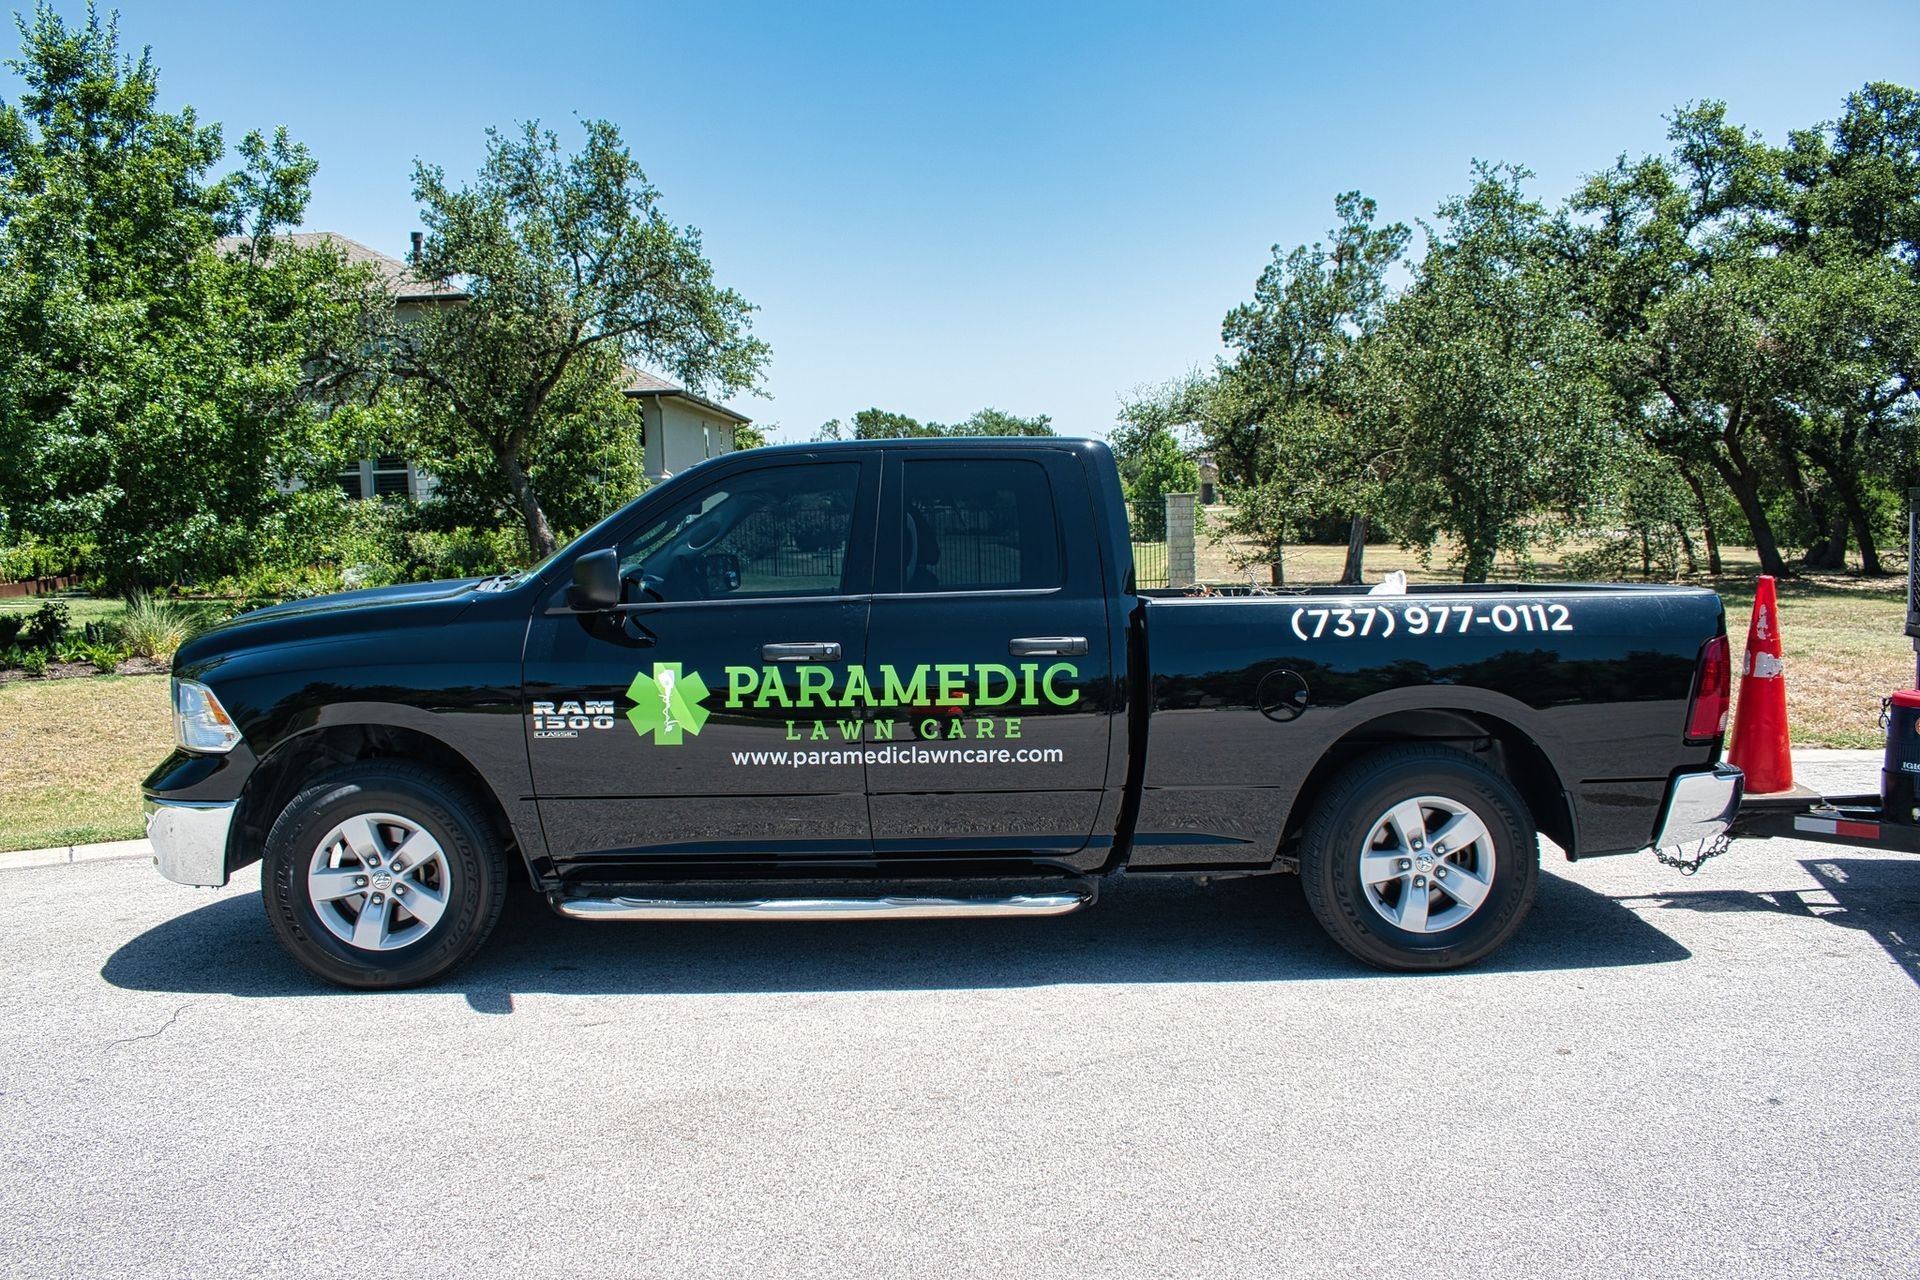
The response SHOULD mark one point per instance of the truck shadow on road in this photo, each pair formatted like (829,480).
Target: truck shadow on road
(1256,930)
(1878,896)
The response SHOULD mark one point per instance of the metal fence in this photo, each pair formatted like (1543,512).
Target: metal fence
(794,548)
(1150,564)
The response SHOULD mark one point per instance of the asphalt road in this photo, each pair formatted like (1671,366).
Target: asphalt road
(1659,1077)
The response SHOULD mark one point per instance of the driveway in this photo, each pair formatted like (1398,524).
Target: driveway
(1660,1076)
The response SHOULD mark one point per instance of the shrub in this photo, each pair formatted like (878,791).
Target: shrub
(12,656)
(34,662)
(247,604)
(154,628)
(1158,467)
(10,625)
(71,648)
(106,658)
(23,562)
(46,625)
(267,583)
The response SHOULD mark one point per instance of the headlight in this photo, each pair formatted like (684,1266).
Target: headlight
(200,723)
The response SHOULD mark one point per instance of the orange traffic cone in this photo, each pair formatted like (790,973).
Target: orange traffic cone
(1760,747)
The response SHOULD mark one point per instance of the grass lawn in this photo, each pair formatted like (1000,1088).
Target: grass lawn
(72,754)
(80,609)
(1845,646)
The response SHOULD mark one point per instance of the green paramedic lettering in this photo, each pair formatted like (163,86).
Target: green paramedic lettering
(950,684)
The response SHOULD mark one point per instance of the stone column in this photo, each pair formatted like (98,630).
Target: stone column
(1183,562)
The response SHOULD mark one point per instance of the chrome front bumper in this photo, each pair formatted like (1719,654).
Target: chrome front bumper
(1700,806)
(190,839)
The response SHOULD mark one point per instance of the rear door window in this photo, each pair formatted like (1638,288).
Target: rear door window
(986,525)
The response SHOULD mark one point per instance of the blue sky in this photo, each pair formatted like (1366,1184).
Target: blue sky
(1030,207)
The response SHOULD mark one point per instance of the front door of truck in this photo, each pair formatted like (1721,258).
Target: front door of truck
(989,632)
(663,732)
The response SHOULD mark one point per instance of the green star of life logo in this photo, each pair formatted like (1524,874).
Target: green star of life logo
(666,704)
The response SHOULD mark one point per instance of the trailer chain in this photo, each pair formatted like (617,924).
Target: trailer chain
(1687,866)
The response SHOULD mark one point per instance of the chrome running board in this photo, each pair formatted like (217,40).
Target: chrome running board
(888,908)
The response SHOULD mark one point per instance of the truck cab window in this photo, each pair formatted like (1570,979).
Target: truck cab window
(781,531)
(984,525)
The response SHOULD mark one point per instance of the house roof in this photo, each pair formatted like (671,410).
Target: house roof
(640,384)
(401,282)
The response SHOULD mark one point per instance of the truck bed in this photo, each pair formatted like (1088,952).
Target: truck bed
(1256,696)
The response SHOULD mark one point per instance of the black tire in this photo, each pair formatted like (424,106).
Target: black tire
(473,874)
(1339,830)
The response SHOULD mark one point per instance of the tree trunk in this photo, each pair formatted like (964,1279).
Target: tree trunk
(539,532)
(1686,547)
(1480,557)
(1746,491)
(1352,575)
(1840,462)
(1706,521)
(1812,509)
(1277,569)
(1862,525)
(1830,552)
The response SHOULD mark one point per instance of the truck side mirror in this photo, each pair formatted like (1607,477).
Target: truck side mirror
(596,581)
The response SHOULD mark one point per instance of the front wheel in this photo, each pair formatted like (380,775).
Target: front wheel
(382,875)
(1420,858)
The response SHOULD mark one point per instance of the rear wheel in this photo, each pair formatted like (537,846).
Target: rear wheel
(382,875)
(1420,858)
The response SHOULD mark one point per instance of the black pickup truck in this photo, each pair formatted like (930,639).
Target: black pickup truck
(917,679)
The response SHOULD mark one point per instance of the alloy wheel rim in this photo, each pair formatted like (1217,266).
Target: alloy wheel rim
(379,882)
(1427,864)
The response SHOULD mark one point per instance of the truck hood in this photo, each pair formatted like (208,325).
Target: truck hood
(375,609)
(369,598)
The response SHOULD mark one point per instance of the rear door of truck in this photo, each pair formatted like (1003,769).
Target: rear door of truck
(988,609)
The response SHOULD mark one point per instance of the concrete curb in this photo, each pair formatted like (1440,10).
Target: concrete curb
(60,854)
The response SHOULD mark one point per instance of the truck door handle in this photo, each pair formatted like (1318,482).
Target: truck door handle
(805,651)
(1047,646)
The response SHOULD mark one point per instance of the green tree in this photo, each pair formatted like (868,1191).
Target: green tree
(1150,457)
(874,424)
(996,422)
(1287,418)
(572,271)
(153,388)
(1852,207)
(881,424)
(1641,518)
(1760,308)
(1492,398)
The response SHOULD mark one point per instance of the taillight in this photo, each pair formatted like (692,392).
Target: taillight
(1712,691)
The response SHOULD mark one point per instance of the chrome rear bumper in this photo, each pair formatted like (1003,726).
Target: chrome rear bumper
(190,839)
(1699,806)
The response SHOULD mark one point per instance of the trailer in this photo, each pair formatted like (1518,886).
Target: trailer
(1889,819)
(1859,821)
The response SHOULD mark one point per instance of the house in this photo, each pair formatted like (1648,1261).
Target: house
(681,428)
